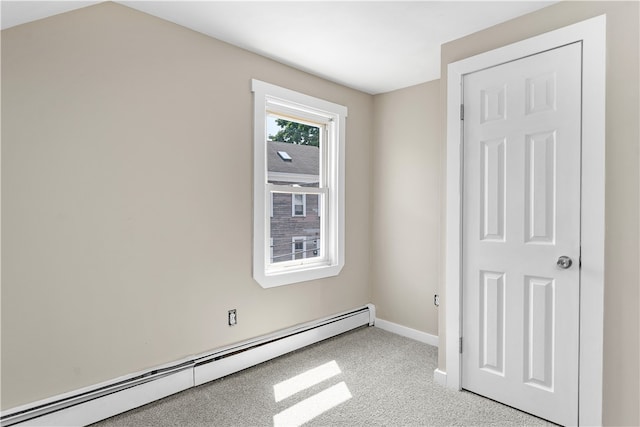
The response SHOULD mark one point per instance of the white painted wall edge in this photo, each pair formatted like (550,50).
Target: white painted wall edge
(407,332)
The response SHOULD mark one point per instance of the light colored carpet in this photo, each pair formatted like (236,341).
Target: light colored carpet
(366,377)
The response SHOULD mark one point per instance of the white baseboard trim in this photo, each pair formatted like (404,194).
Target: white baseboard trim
(91,404)
(440,377)
(407,332)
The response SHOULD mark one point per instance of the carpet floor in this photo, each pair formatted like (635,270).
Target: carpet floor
(365,377)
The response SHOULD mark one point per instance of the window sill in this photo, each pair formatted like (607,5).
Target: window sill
(290,276)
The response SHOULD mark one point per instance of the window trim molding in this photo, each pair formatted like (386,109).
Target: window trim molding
(307,108)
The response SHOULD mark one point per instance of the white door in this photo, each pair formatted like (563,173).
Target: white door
(521,214)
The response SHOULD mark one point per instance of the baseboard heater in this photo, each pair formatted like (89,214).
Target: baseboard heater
(105,400)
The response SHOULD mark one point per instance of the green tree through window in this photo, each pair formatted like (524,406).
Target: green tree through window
(296,133)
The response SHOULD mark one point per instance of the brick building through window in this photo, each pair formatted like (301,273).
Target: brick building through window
(295,218)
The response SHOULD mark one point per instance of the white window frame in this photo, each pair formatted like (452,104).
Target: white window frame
(294,204)
(332,118)
(271,246)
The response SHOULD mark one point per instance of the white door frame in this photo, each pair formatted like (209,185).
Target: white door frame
(592,34)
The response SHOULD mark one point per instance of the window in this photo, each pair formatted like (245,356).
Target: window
(298,205)
(298,187)
(284,156)
(298,247)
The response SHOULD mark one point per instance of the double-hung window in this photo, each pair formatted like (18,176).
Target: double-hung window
(298,186)
(299,204)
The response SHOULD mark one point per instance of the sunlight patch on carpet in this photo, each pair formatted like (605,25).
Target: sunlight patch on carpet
(313,406)
(305,380)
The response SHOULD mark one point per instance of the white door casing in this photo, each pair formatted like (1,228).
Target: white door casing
(521,212)
(592,34)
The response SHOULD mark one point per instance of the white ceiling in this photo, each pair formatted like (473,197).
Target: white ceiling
(372,46)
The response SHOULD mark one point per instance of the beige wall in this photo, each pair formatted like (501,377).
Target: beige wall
(405,216)
(127,200)
(621,345)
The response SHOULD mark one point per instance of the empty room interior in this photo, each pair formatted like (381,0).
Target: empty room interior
(468,182)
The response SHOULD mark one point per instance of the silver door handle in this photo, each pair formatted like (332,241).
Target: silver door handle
(564,262)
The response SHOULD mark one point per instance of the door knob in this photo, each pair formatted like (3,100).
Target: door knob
(564,262)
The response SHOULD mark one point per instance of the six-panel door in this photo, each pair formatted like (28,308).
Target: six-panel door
(521,213)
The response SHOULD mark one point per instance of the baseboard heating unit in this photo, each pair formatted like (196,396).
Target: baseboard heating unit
(92,404)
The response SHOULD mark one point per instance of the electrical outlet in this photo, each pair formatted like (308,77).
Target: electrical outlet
(233,317)
(436,300)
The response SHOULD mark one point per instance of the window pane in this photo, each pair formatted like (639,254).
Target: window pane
(298,205)
(294,237)
(298,248)
(293,152)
